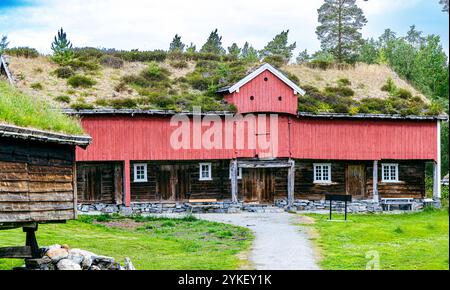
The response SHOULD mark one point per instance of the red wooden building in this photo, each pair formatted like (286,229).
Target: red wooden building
(267,151)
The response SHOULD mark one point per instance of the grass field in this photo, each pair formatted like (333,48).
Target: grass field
(405,241)
(151,243)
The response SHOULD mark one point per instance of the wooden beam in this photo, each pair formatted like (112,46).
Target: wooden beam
(16,252)
(127,182)
(376,196)
(264,164)
(5,68)
(437,168)
(291,183)
(31,240)
(234,181)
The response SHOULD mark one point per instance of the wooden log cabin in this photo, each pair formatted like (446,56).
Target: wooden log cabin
(147,156)
(37,181)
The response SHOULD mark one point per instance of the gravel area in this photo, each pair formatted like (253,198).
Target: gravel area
(280,243)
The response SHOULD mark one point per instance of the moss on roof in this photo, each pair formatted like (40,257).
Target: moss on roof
(22,110)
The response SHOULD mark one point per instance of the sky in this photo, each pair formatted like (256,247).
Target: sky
(148,25)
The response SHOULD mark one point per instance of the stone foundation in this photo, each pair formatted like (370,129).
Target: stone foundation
(363,206)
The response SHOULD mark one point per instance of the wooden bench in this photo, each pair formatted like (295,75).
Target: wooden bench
(388,202)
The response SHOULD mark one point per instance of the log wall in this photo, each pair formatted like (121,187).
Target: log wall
(36,181)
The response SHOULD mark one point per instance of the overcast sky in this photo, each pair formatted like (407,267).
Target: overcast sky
(145,24)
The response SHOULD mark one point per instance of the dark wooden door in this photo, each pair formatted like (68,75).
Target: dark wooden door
(96,183)
(173,182)
(259,185)
(356,180)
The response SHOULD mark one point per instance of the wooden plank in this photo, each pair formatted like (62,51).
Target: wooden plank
(16,252)
(291,183)
(376,197)
(4,66)
(234,181)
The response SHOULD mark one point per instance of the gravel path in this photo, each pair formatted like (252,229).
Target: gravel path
(279,244)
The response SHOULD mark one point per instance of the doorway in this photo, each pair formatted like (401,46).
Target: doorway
(356,180)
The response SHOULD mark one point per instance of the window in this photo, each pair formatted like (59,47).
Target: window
(389,172)
(239,175)
(140,172)
(322,173)
(205,171)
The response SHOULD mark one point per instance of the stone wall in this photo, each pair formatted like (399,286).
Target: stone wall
(363,206)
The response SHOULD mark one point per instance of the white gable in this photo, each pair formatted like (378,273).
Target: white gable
(261,69)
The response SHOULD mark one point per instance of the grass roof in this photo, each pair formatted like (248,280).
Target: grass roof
(22,110)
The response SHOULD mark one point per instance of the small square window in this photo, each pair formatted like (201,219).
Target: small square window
(205,171)
(239,175)
(389,172)
(140,172)
(322,173)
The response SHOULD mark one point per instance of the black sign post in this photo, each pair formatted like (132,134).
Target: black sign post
(344,198)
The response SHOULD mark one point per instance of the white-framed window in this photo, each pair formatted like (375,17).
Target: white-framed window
(205,171)
(389,172)
(322,173)
(140,172)
(239,175)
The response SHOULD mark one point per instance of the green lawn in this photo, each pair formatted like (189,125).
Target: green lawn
(151,243)
(405,241)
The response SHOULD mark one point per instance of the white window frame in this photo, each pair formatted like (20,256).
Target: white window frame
(390,165)
(239,175)
(209,178)
(135,170)
(321,180)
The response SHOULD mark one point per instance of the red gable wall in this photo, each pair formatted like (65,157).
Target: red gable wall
(266,96)
(117,138)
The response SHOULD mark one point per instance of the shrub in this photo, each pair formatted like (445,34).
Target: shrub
(389,87)
(88,53)
(121,87)
(81,106)
(179,64)
(37,86)
(111,61)
(78,64)
(344,82)
(63,99)
(142,56)
(102,102)
(403,94)
(435,109)
(275,60)
(25,52)
(38,70)
(123,103)
(340,91)
(77,81)
(64,72)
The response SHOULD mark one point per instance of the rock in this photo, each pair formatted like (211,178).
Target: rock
(85,208)
(66,264)
(44,263)
(57,254)
(94,268)
(126,211)
(65,246)
(86,257)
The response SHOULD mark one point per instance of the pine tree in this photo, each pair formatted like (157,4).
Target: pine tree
(234,50)
(339,32)
(387,36)
(62,48)
(415,37)
(192,48)
(303,57)
(176,45)
(249,53)
(3,43)
(213,44)
(444,4)
(279,47)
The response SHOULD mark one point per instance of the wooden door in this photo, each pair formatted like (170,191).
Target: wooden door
(173,182)
(164,189)
(356,180)
(183,183)
(259,185)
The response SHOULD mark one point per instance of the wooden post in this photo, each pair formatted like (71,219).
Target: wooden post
(75,188)
(127,182)
(437,168)
(234,181)
(291,183)
(31,240)
(376,196)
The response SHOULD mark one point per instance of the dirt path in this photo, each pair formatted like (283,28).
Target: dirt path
(280,243)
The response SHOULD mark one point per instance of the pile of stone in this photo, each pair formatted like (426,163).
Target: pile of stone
(59,257)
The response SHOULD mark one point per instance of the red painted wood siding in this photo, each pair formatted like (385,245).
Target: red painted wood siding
(266,96)
(118,138)
(364,139)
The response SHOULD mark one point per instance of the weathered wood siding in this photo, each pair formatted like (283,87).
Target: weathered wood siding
(411,180)
(36,181)
(99,182)
(169,181)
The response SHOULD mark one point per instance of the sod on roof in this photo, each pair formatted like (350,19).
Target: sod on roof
(23,110)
